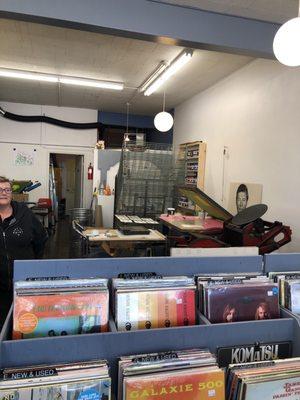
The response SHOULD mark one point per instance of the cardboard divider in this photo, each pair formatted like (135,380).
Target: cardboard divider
(202,319)
(112,325)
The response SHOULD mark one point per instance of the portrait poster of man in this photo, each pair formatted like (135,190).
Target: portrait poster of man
(243,195)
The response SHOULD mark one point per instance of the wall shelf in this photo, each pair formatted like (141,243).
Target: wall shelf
(197,174)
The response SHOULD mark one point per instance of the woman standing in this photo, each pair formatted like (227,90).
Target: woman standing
(22,237)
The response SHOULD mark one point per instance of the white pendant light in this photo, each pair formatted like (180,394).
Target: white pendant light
(286,43)
(163,121)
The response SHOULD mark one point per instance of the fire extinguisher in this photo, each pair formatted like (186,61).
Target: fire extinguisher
(90,172)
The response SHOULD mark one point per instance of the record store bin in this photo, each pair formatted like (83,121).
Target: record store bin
(113,344)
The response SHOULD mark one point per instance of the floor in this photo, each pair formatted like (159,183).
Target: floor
(65,243)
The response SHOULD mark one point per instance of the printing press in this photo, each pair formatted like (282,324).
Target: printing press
(247,228)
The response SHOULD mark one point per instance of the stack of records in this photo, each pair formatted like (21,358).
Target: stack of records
(266,380)
(289,289)
(159,302)
(206,280)
(238,298)
(187,374)
(87,380)
(60,307)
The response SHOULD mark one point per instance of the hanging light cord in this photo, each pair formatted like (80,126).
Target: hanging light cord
(127,117)
(164,102)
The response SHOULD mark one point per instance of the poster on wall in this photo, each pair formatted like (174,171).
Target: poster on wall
(23,158)
(243,195)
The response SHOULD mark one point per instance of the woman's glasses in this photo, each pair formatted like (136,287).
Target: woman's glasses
(6,190)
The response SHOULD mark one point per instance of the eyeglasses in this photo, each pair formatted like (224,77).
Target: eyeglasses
(6,190)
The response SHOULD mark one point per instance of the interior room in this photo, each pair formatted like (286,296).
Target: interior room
(48,49)
(225,100)
(149,199)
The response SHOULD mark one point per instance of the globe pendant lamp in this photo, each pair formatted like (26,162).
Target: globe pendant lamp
(163,121)
(286,43)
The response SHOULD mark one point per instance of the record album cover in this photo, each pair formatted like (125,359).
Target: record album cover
(147,309)
(60,314)
(245,302)
(273,389)
(191,384)
(83,381)
(294,293)
(97,389)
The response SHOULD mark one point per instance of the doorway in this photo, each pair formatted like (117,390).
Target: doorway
(68,181)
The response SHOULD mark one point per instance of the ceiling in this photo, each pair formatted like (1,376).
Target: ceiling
(267,10)
(49,49)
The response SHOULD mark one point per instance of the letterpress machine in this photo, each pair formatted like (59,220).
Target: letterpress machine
(247,228)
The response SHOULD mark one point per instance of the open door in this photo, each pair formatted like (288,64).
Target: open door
(68,172)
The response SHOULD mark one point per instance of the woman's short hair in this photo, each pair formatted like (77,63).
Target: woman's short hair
(3,179)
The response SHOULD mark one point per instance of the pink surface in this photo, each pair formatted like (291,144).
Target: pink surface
(191,223)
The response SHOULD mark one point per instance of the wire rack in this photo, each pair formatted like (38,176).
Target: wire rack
(147,179)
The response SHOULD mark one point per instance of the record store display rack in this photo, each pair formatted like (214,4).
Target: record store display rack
(114,344)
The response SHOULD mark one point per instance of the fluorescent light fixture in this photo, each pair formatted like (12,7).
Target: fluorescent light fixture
(68,80)
(162,66)
(175,66)
(32,76)
(91,83)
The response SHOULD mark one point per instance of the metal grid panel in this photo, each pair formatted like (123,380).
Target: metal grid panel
(147,179)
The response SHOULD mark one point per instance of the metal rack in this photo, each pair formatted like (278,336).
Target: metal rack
(147,179)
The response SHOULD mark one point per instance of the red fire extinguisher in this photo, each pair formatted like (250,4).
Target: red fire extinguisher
(90,172)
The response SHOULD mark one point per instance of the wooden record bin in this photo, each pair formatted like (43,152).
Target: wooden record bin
(193,157)
(112,345)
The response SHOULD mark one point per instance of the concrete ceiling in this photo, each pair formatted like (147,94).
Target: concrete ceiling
(50,49)
(267,10)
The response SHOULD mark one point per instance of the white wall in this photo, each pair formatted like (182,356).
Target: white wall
(255,113)
(45,139)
